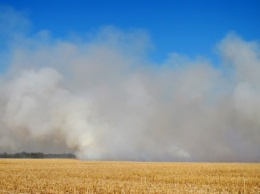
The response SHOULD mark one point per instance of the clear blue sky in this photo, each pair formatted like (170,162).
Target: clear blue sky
(190,27)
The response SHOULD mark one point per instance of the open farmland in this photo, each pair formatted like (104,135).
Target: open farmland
(75,176)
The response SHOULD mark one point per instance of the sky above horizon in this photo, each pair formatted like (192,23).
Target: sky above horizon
(131,80)
(190,28)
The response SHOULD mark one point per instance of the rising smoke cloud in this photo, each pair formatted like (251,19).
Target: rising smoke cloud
(101,98)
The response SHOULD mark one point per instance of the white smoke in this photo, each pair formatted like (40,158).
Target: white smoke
(103,99)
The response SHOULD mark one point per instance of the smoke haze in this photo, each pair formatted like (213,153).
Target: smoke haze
(102,98)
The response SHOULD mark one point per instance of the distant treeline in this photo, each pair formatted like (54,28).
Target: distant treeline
(36,155)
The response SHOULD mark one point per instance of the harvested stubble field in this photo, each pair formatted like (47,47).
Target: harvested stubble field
(75,176)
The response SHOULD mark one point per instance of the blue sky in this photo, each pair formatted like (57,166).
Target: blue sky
(191,28)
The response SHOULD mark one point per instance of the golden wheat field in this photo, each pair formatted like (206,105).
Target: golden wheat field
(75,176)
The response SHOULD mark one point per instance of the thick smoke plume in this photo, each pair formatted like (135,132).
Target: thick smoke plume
(102,98)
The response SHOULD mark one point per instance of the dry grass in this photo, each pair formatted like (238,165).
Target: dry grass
(75,176)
